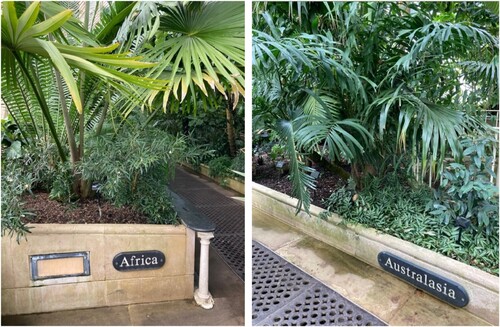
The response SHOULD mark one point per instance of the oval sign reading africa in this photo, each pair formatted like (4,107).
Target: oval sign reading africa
(441,287)
(138,260)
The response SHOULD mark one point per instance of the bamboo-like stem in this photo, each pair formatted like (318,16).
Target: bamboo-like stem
(67,122)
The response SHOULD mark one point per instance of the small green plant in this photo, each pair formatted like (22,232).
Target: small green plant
(134,168)
(61,179)
(277,151)
(16,180)
(219,167)
(197,153)
(466,190)
(397,206)
(238,162)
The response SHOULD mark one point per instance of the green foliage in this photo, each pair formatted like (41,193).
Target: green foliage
(238,162)
(60,180)
(353,78)
(24,35)
(278,150)
(133,168)
(466,189)
(24,168)
(199,48)
(396,206)
(219,167)
(299,172)
(15,182)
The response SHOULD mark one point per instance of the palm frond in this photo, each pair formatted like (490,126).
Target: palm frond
(320,106)
(140,24)
(487,71)
(202,47)
(437,33)
(302,182)
(335,139)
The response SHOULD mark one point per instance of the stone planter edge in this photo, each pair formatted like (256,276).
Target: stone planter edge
(365,243)
(105,286)
(232,183)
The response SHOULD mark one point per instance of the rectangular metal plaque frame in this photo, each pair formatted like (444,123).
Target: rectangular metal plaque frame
(35,258)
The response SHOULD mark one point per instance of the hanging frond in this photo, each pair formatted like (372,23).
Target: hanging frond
(438,33)
(335,139)
(20,35)
(487,71)
(202,48)
(300,176)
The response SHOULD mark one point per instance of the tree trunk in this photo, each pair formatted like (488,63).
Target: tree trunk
(73,150)
(231,135)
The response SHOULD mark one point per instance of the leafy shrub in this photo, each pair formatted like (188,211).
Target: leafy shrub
(396,206)
(466,189)
(133,168)
(197,153)
(238,162)
(14,184)
(277,151)
(60,182)
(17,178)
(219,167)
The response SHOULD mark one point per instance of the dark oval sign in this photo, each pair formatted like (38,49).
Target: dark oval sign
(438,286)
(138,260)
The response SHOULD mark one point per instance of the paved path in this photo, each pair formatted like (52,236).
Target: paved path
(223,208)
(390,299)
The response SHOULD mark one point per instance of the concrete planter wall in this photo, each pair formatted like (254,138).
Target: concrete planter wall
(105,286)
(233,183)
(365,244)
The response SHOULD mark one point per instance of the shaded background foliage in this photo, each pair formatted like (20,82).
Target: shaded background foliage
(406,88)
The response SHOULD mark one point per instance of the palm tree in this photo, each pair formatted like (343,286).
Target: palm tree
(410,73)
(33,49)
(302,85)
(199,47)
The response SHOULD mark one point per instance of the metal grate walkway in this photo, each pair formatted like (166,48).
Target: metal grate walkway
(226,213)
(284,295)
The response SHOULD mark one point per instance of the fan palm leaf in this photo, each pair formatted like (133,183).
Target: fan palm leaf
(202,45)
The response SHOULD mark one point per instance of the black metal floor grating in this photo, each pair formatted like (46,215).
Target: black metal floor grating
(284,295)
(229,247)
(226,213)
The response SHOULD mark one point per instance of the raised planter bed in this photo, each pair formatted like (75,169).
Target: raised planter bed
(103,284)
(366,243)
(236,184)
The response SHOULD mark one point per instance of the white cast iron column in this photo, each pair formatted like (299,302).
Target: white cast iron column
(201,295)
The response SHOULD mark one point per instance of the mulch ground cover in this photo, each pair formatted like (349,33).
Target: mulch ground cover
(268,175)
(80,212)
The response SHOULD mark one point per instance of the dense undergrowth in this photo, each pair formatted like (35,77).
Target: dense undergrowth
(402,209)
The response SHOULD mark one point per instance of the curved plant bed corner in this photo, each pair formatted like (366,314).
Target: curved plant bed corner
(97,283)
(366,243)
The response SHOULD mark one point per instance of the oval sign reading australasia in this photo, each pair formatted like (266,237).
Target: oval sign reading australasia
(441,287)
(138,260)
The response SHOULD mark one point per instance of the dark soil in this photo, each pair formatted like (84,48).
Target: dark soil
(268,175)
(80,212)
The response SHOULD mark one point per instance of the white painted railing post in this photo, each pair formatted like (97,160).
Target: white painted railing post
(201,295)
